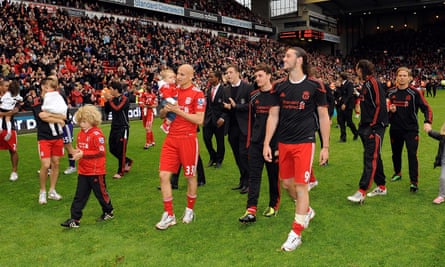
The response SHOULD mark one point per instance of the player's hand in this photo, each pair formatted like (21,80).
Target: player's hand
(267,153)
(324,156)
(220,122)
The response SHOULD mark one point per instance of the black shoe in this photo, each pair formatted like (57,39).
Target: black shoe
(342,140)
(201,183)
(355,137)
(413,188)
(106,216)
(71,223)
(211,163)
(218,165)
(247,218)
(237,187)
(244,190)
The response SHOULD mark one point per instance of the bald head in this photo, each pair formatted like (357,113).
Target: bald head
(184,76)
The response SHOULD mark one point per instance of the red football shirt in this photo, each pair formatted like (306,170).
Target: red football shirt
(92,144)
(190,100)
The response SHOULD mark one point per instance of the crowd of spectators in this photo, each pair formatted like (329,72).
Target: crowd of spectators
(87,53)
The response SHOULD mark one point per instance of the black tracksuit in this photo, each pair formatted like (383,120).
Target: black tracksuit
(259,105)
(118,106)
(347,98)
(374,119)
(405,129)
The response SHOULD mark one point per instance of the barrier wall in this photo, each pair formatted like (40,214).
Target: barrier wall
(26,123)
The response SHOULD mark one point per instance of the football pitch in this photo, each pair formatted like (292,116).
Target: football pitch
(399,229)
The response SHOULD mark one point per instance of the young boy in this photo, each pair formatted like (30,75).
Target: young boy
(169,94)
(8,101)
(91,153)
(53,102)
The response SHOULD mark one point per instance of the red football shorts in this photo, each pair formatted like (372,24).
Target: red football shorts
(179,150)
(11,144)
(49,148)
(295,161)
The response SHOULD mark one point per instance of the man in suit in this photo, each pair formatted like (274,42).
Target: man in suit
(238,109)
(346,104)
(215,119)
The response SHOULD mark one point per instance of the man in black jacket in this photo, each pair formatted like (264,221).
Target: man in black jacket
(347,104)
(215,119)
(238,107)
(118,105)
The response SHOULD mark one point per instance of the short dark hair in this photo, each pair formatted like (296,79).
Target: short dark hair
(264,67)
(117,86)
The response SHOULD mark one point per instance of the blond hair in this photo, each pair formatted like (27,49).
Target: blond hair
(165,73)
(88,113)
(51,81)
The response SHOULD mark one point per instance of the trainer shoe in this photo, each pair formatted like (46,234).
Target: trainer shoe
(377,192)
(312,185)
(438,200)
(413,188)
(53,195)
(166,221)
(269,212)
(358,197)
(310,215)
(71,223)
(70,170)
(189,216)
(396,177)
(128,165)
(105,217)
(292,242)
(42,198)
(247,218)
(13,177)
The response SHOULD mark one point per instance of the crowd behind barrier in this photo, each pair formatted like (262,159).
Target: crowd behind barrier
(87,53)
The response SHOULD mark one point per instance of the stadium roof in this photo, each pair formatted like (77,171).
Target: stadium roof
(338,8)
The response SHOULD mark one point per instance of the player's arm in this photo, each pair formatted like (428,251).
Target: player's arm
(271,126)
(325,129)
(52,117)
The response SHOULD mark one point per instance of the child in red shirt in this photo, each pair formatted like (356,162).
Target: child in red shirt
(91,153)
(169,94)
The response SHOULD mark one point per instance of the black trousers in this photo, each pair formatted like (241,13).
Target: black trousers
(238,143)
(86,183)
(256,164)
(345,119)
(200,174)
(411,139)
(118,146)
(208,131)
(372,140)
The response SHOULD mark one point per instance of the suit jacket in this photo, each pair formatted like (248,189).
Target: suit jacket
(215,109)
(347,94)
(239,115)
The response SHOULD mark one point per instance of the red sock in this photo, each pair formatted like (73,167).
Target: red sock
(362,191)
(297,228)
(252,210)
(147,138)
(168,206)
(152,139)
(382,187)
(191,201)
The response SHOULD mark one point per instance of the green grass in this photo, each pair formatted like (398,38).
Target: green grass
(400,229)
